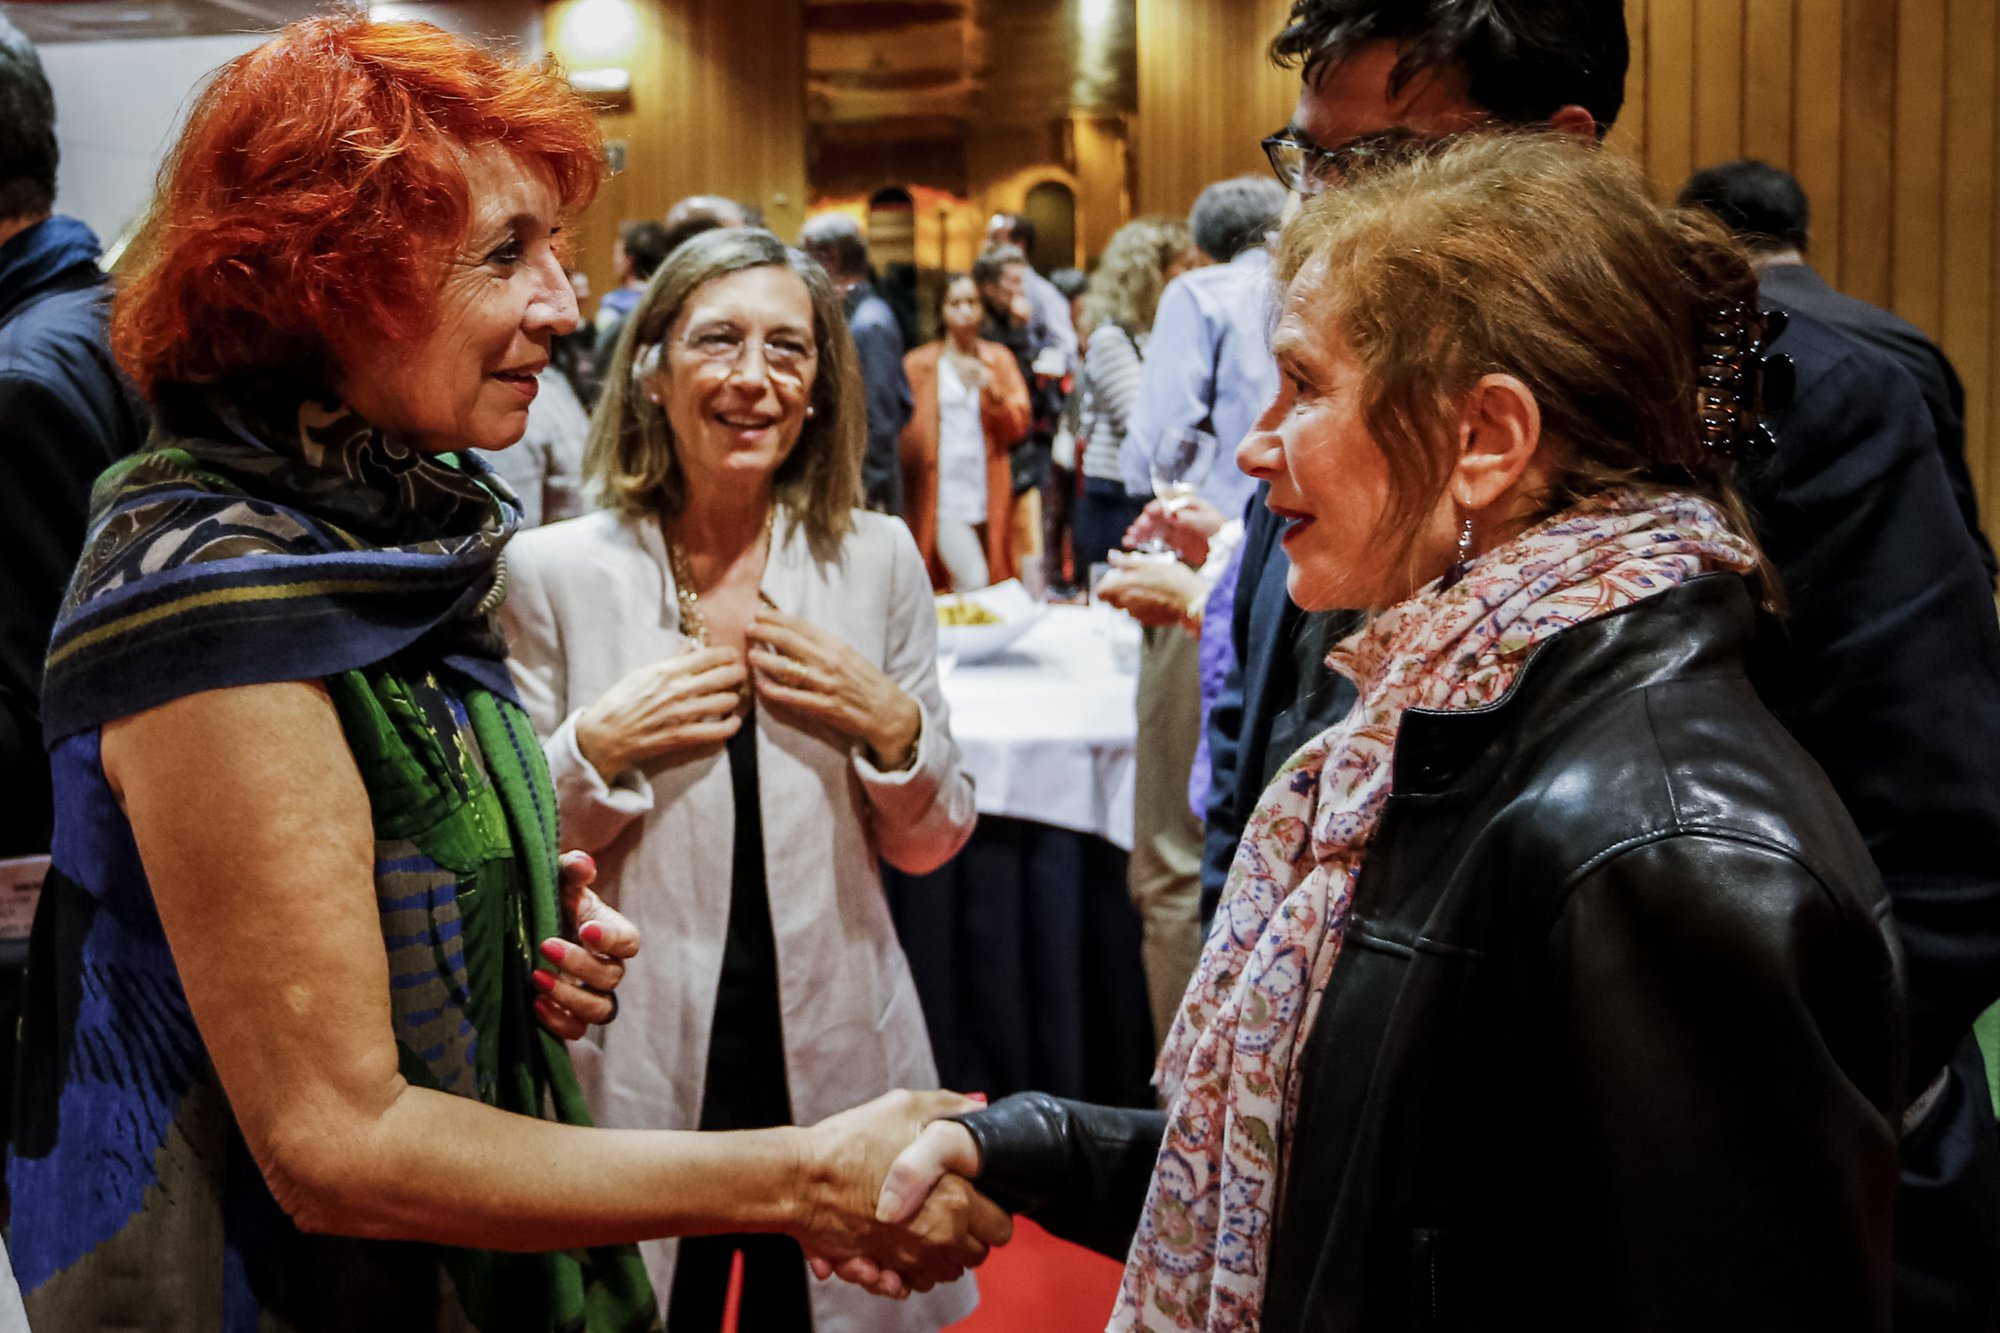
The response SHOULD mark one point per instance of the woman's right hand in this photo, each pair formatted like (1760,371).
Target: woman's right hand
(945,1148)
(684,702)
(949,1229)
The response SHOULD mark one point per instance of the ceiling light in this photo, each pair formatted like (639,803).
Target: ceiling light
(594,30)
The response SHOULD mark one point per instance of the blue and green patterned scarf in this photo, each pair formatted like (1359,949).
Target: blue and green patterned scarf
(259,538)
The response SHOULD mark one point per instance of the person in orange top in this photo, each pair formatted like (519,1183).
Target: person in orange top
(970,406)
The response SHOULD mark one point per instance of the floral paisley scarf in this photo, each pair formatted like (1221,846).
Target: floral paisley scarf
(1229,1067)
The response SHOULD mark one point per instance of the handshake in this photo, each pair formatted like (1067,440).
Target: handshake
(886,1199)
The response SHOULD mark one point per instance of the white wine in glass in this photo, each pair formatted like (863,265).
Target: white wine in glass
(1180,464)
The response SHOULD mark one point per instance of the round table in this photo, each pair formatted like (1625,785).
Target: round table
(1025,946)
(1047,728)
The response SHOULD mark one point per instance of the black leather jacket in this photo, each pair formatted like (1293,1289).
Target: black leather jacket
(1615,1041)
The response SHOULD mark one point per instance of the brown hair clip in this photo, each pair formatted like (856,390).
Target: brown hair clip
(1740,380)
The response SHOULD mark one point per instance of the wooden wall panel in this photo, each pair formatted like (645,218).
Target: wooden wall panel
(1816,159)
(1207,96)
(1768,68)
(717,107)
(1917,198)
(1867,123)
(1670,89)
(1719,97)
(1887,112)
(1969,250)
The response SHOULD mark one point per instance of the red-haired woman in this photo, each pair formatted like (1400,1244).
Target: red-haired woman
(304,909)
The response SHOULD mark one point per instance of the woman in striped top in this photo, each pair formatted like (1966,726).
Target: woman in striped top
(1143,257)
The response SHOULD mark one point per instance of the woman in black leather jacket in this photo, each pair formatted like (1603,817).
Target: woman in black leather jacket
(1553,987)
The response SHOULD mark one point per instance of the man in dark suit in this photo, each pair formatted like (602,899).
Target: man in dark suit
(835,240)
(1887,666)
(1560,63)
(1768,210)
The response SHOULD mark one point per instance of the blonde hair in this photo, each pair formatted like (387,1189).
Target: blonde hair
(631,458)
(1125,287)
(1536,255)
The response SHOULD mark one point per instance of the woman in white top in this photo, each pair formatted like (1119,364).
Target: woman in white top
(734,672)
(1143,256)
(969,407)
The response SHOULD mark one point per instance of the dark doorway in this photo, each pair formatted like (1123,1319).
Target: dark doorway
(1051,206)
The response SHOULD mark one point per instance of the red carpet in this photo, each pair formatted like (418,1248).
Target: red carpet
(1038,1284)
(1034,1284)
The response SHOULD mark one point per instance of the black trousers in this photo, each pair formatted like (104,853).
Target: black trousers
(774,1285)
(1103,512)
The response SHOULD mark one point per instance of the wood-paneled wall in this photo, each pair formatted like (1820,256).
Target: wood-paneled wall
(717,107)
(1207,96)
(1888,111)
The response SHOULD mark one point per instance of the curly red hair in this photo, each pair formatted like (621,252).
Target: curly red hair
(318,194)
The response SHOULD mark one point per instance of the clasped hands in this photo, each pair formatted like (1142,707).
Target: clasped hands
(886,1202)
(693,700)
(892,1206)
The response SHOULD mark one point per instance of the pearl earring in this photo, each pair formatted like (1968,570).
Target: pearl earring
(811,411)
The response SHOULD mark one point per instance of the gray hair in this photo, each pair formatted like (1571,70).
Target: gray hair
(28,151)
(835,240)
(989,264)
(1231,216)
(632,457)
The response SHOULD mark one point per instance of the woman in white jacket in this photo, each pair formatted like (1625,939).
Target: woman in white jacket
(734,673)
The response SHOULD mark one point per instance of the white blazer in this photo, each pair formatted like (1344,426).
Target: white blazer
(593,598)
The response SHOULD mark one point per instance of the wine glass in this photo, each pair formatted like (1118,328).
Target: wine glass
(1180,463)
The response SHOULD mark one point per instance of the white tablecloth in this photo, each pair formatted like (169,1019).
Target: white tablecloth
(1047,728)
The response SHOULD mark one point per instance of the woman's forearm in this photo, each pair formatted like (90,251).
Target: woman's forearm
(276,847)
(451,1171)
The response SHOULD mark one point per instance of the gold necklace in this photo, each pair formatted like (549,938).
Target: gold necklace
(693,624)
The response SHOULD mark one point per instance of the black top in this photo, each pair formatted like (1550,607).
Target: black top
(1615,1037)
(745,1086)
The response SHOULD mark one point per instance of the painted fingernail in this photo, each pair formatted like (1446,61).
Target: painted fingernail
(543,980)
(554,950)
(592,934)
(979,1097)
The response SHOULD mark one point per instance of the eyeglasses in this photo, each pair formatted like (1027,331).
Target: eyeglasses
(1306,168)
(786,355)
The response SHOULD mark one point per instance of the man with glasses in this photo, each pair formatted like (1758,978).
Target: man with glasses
(1380,78)
(1886,667)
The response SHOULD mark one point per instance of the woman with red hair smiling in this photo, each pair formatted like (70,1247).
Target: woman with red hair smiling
(303,911)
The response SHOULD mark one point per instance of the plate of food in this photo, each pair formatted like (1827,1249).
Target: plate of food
(973,626)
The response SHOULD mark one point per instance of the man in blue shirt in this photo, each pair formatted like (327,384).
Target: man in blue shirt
(1208,366)
(835,240)
(1208,363)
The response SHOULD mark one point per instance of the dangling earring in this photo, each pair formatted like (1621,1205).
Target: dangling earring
(1459,566)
